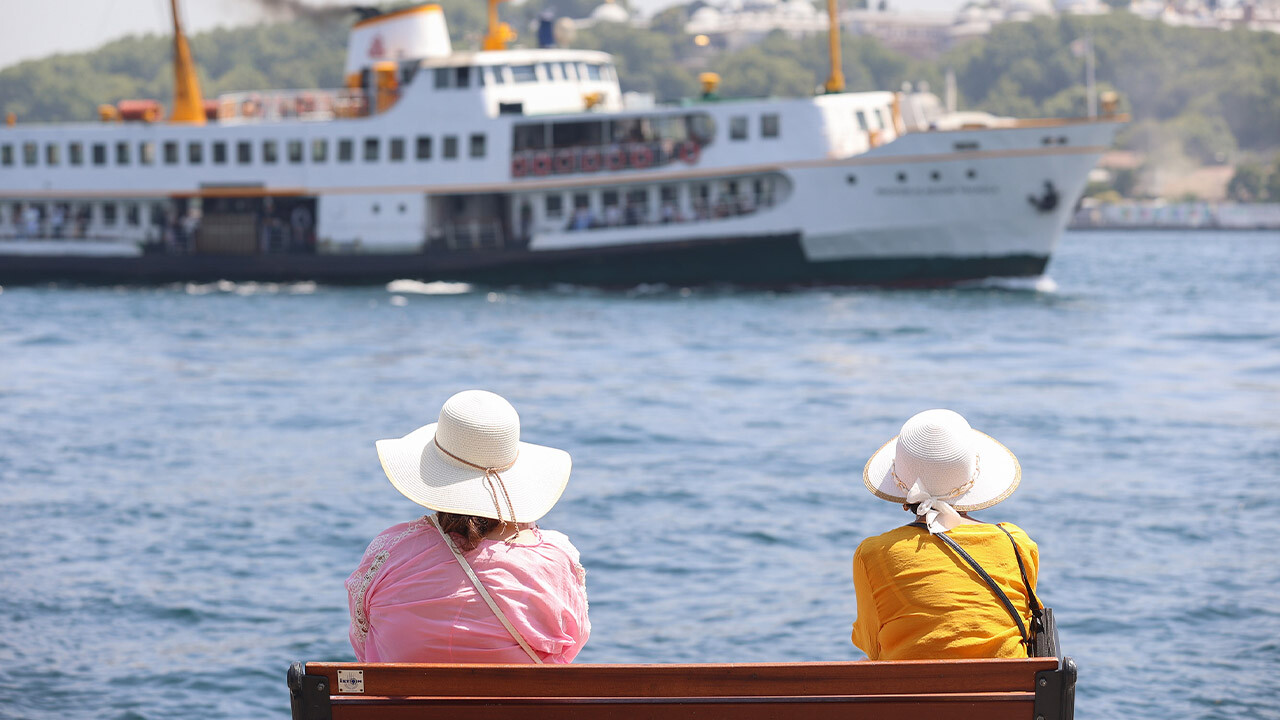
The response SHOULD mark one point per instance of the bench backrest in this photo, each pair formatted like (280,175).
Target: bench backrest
(1026,689)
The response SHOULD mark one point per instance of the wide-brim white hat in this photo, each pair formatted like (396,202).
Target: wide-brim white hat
(940,450)
(442,466)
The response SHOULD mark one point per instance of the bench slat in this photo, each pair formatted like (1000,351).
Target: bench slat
(956,706)
(687,681)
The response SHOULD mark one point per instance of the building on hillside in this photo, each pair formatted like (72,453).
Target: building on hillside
(918,34)
(736,23)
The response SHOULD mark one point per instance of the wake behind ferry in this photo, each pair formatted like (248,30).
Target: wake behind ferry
(530,166)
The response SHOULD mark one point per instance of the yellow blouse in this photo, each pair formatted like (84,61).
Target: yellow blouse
(918,600)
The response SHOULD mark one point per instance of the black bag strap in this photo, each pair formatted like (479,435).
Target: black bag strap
(1004,599)
(1037,610)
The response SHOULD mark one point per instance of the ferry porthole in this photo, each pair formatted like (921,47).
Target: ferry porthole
(971,174)
(902,177)
(935,176)
(641,156)
(851,179)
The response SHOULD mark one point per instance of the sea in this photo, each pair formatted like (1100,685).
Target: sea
(188,475)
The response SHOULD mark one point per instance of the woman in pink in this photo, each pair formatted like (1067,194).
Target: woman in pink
(478,581)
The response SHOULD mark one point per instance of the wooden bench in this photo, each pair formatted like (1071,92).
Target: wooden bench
(1027,689)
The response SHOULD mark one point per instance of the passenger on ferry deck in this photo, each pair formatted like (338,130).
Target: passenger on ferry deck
(414,597)
(916,598)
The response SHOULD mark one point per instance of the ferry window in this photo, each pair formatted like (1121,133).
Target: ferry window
(476,145)
(576,134)
(99,153)
(480,79)
(319,150)
(122,153)
(294,150)
(219,153)
(28,153)
(75,154)
(669,193)
(862,121)
(499,74)
(442,77)
(568,71)
(546,72)
(581,200)
(371,149)
(639,201)
(131,214)
(346,150)
(244,152)
(109,214)
(269,152)
(555,206)
(170,153)
(51,154)
(530,137)
(523,73)
(424,147)
(593,71)
(738,127)
(609,198)
(395,150)
(880,118)
(769,125)
(450,147)
(702,128)
(582,71)
(554,71)
(147,152)
(195,152)
(463,77)
(6,154)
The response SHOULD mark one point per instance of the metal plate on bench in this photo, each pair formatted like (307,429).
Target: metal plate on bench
(351,681)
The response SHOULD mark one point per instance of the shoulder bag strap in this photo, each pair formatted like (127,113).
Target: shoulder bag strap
(1037,611)
(1004,599)
(485,593)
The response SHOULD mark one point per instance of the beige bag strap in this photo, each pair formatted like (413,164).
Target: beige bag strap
(485,593)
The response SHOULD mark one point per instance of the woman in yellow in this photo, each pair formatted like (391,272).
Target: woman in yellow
(918,598)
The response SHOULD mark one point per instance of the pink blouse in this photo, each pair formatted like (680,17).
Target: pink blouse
(410,601)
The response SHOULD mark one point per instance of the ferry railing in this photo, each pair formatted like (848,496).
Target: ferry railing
(276,105)
(472,235)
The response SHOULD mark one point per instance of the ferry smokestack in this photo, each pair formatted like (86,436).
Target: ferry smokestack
(188,104)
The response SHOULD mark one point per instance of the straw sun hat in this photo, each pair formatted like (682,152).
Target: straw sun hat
(937,460)
(471,462)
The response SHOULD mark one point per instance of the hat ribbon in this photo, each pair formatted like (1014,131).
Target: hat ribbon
(937,513)
(490,475)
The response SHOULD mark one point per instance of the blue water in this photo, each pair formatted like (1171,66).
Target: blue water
(188,473)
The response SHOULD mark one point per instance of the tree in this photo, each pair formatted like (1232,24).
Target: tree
(1247,183)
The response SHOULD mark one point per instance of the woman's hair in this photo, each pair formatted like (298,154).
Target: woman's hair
(470,528)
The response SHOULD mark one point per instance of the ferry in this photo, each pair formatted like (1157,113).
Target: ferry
(531,166)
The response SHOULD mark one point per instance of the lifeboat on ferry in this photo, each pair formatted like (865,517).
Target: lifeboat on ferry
(140,110)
